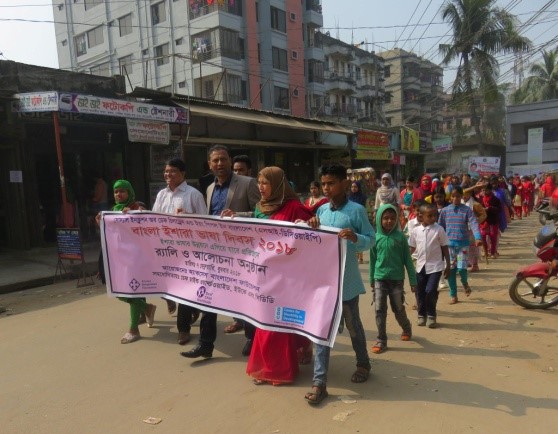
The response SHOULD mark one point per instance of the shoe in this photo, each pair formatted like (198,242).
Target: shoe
(406,336)
(453,300)
(431,322)
(247,348)
(195,316)
(198,351)
(379,347)
(421,321)
(236,326)
(467,289)
(128,338)
(183,338)
(150,314)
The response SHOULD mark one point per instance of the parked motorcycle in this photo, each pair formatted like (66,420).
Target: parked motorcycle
(543,208)
(536,286)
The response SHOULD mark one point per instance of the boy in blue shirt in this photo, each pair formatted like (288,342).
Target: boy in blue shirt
(355,227)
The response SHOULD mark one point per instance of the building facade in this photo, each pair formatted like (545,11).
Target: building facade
(242,52)
(532,137)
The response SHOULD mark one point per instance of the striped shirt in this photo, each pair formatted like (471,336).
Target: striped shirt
(456,220)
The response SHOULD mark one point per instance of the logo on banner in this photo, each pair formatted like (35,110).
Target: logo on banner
(134,284)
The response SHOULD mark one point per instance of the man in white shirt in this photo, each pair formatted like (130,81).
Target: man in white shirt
(179,198)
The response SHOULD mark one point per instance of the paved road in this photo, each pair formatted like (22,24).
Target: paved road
(490,367)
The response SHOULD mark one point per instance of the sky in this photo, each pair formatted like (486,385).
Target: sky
(27,31)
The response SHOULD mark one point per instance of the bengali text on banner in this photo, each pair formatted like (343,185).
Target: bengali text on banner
(277,275)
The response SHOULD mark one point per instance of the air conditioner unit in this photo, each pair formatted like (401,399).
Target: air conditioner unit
(294,55)
(295,92)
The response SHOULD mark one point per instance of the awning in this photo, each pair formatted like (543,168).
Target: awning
(262,118)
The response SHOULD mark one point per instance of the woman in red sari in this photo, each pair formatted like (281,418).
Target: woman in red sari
(275,355)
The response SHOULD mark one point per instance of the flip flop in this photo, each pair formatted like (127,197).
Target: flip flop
(128,338)
(468,290)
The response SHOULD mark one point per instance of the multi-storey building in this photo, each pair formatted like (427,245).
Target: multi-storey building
(242,52)
(413,93)
(354,83)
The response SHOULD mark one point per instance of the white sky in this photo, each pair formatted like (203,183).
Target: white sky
(27,31)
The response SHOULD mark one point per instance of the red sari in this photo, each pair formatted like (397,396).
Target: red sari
(274,356)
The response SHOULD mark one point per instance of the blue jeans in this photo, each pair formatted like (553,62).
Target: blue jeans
(352,320)
(427,292)
(392,289)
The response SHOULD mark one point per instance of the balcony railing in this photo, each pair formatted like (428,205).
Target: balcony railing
(199,8)
(202,55)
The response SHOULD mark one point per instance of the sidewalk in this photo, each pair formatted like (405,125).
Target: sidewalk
(22,269)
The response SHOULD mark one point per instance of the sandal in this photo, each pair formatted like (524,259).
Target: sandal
(467,289)
(128,338)
(360,375)
(258,382)
(234,327)
(316,395)
(406,336)
(453,300)
(379,347)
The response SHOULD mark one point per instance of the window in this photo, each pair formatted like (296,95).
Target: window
(125,25)
(162,54)
(95,37)
(125,65)
(208,89)
(102,69)
(259,54)
(387,71)
(91,3)
(81,45)
(229,42)
(179,41)
(278,20)
(279,59)
(281,97)
(158,13)
(181,84)
(243,90)
(234,89)
(241,45)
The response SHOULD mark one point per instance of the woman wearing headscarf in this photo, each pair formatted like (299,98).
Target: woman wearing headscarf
(125,200)
(387,193)
(275,356)
(425,186)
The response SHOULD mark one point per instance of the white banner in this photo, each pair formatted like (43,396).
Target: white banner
(148,131)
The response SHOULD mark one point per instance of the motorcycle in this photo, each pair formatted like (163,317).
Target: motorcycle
(543,208)
(536,286)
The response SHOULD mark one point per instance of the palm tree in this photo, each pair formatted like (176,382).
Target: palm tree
(542,84)
(480,31)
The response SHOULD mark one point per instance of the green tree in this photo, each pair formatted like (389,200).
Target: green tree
(542,84)
(480,32)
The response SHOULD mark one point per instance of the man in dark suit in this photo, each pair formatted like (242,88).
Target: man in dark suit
(228,193)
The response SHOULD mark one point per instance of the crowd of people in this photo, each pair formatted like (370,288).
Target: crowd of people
(431,231)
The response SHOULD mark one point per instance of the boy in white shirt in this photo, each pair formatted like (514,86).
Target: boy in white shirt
(430,244)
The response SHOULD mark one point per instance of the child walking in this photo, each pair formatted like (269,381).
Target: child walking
(352,219)
(456,219)
(388,259)
(430,244)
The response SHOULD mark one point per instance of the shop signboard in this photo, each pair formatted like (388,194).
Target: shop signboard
(36,102)
(372,145)
(148,131)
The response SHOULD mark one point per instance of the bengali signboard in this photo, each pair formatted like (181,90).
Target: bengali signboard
(372,145)
(148,131)
(68,241)
(36,102)
(262,271)
(409,140)
(88,104)
(482,166)
(443,144)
